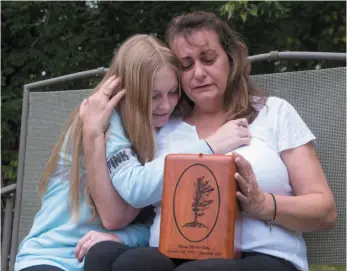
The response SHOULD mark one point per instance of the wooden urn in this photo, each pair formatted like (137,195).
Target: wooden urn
(200,213)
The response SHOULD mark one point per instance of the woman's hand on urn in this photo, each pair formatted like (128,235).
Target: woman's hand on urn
(252,200)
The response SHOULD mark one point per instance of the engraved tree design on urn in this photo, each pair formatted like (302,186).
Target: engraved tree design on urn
(203,189)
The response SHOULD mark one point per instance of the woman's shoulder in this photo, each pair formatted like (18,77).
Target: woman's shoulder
(262,102)
(274,109)
(275,102)
(276,105)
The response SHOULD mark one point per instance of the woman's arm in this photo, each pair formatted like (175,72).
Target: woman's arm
(313,206)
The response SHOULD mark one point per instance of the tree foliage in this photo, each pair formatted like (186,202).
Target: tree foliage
(42,40)
(289,26)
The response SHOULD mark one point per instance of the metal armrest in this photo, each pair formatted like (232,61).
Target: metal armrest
(8,194)
(8,189)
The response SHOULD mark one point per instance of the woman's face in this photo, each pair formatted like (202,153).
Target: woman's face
(164,95)
(206,67)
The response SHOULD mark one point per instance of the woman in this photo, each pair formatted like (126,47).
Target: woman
(279,197)
(207,48)
(148,69)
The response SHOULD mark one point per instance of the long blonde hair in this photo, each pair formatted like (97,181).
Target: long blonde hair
(136,62)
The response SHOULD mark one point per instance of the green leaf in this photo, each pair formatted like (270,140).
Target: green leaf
(243,17)
(254,10)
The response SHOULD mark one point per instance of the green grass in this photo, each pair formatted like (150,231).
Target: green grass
(319,267)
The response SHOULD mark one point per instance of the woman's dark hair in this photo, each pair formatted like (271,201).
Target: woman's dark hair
(241,98)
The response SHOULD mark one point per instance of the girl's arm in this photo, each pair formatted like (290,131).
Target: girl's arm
(117,181)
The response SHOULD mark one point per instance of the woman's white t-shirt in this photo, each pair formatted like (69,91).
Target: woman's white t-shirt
(278,127)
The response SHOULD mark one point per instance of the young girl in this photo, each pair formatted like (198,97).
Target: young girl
(149,72)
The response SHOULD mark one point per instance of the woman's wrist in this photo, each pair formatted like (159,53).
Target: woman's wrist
(267,211)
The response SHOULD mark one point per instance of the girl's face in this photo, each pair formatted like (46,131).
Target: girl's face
(164,96)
